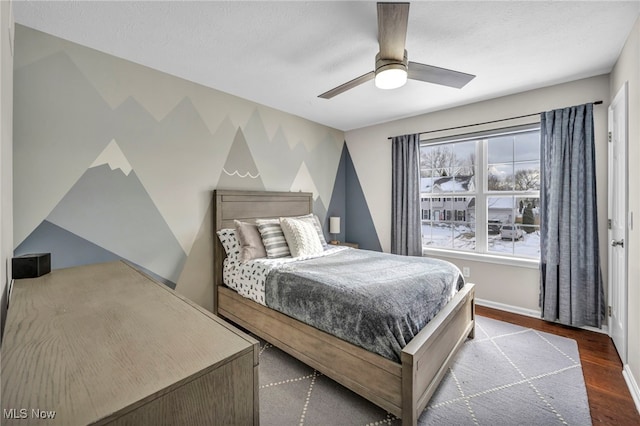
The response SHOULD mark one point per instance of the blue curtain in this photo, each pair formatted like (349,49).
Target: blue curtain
(406,234)
(571,280)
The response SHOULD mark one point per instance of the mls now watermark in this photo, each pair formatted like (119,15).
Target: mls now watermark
(25,413)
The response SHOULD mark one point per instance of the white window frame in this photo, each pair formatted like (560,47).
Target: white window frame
(481,194)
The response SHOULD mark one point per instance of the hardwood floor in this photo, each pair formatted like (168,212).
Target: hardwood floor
(610,402)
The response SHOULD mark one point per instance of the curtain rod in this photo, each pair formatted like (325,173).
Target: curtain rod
(487,122)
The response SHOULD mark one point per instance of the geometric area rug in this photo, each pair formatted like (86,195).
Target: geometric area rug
(507,375)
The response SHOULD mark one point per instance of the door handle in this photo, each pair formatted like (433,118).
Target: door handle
(617,243)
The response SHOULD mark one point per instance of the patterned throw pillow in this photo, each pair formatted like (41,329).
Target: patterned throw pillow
(230,242)
(313,219)
(273,239)
(301,236)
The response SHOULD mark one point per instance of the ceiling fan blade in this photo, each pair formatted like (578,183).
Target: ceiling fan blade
(392,29)
(438,75)
(348,85)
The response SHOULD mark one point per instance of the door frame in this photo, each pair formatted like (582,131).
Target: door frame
(620,100)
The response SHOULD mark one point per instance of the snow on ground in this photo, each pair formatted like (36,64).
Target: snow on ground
(462,237)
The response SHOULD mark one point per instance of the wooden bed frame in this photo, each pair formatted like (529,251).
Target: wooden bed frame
(403,389)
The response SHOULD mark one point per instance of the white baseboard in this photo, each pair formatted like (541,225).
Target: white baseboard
(509,308)
(603,330)
(633,385)
(534,313)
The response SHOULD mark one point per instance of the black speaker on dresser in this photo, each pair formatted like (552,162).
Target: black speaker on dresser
(30,265)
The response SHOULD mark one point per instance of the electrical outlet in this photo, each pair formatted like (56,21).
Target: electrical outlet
(466,271)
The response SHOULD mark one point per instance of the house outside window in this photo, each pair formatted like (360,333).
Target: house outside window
(480,193)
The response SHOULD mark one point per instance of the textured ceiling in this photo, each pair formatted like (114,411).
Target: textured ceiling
(284,54)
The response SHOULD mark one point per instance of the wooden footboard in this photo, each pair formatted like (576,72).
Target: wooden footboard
(401,389)
(369,375)
(427,357)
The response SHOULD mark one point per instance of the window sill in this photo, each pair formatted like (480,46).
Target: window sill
(483,257)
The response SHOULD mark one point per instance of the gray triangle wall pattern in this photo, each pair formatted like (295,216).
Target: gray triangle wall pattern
(349,203)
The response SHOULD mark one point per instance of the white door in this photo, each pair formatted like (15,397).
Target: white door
(618,222)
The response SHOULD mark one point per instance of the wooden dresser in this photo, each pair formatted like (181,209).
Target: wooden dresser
(104,344)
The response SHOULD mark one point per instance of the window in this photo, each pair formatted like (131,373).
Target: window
(481,193)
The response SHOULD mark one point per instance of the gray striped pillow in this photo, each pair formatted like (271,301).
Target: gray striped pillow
(273,238)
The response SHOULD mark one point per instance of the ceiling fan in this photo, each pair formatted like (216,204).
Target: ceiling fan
(392,67)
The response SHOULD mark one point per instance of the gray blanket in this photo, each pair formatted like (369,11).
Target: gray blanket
(374,300)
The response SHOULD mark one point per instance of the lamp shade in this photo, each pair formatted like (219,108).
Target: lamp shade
(334,225)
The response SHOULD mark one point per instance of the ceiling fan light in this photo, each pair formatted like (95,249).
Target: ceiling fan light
(391,78)
(391,73)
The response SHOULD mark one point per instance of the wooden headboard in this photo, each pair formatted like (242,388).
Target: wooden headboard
(248,206)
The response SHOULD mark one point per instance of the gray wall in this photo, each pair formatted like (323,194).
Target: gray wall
(115,160)
(348,202)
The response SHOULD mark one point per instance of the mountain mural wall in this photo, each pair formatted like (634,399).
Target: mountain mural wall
(349,203)
(113,160)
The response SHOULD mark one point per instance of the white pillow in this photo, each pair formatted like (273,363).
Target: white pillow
(301,236)
(316,223)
